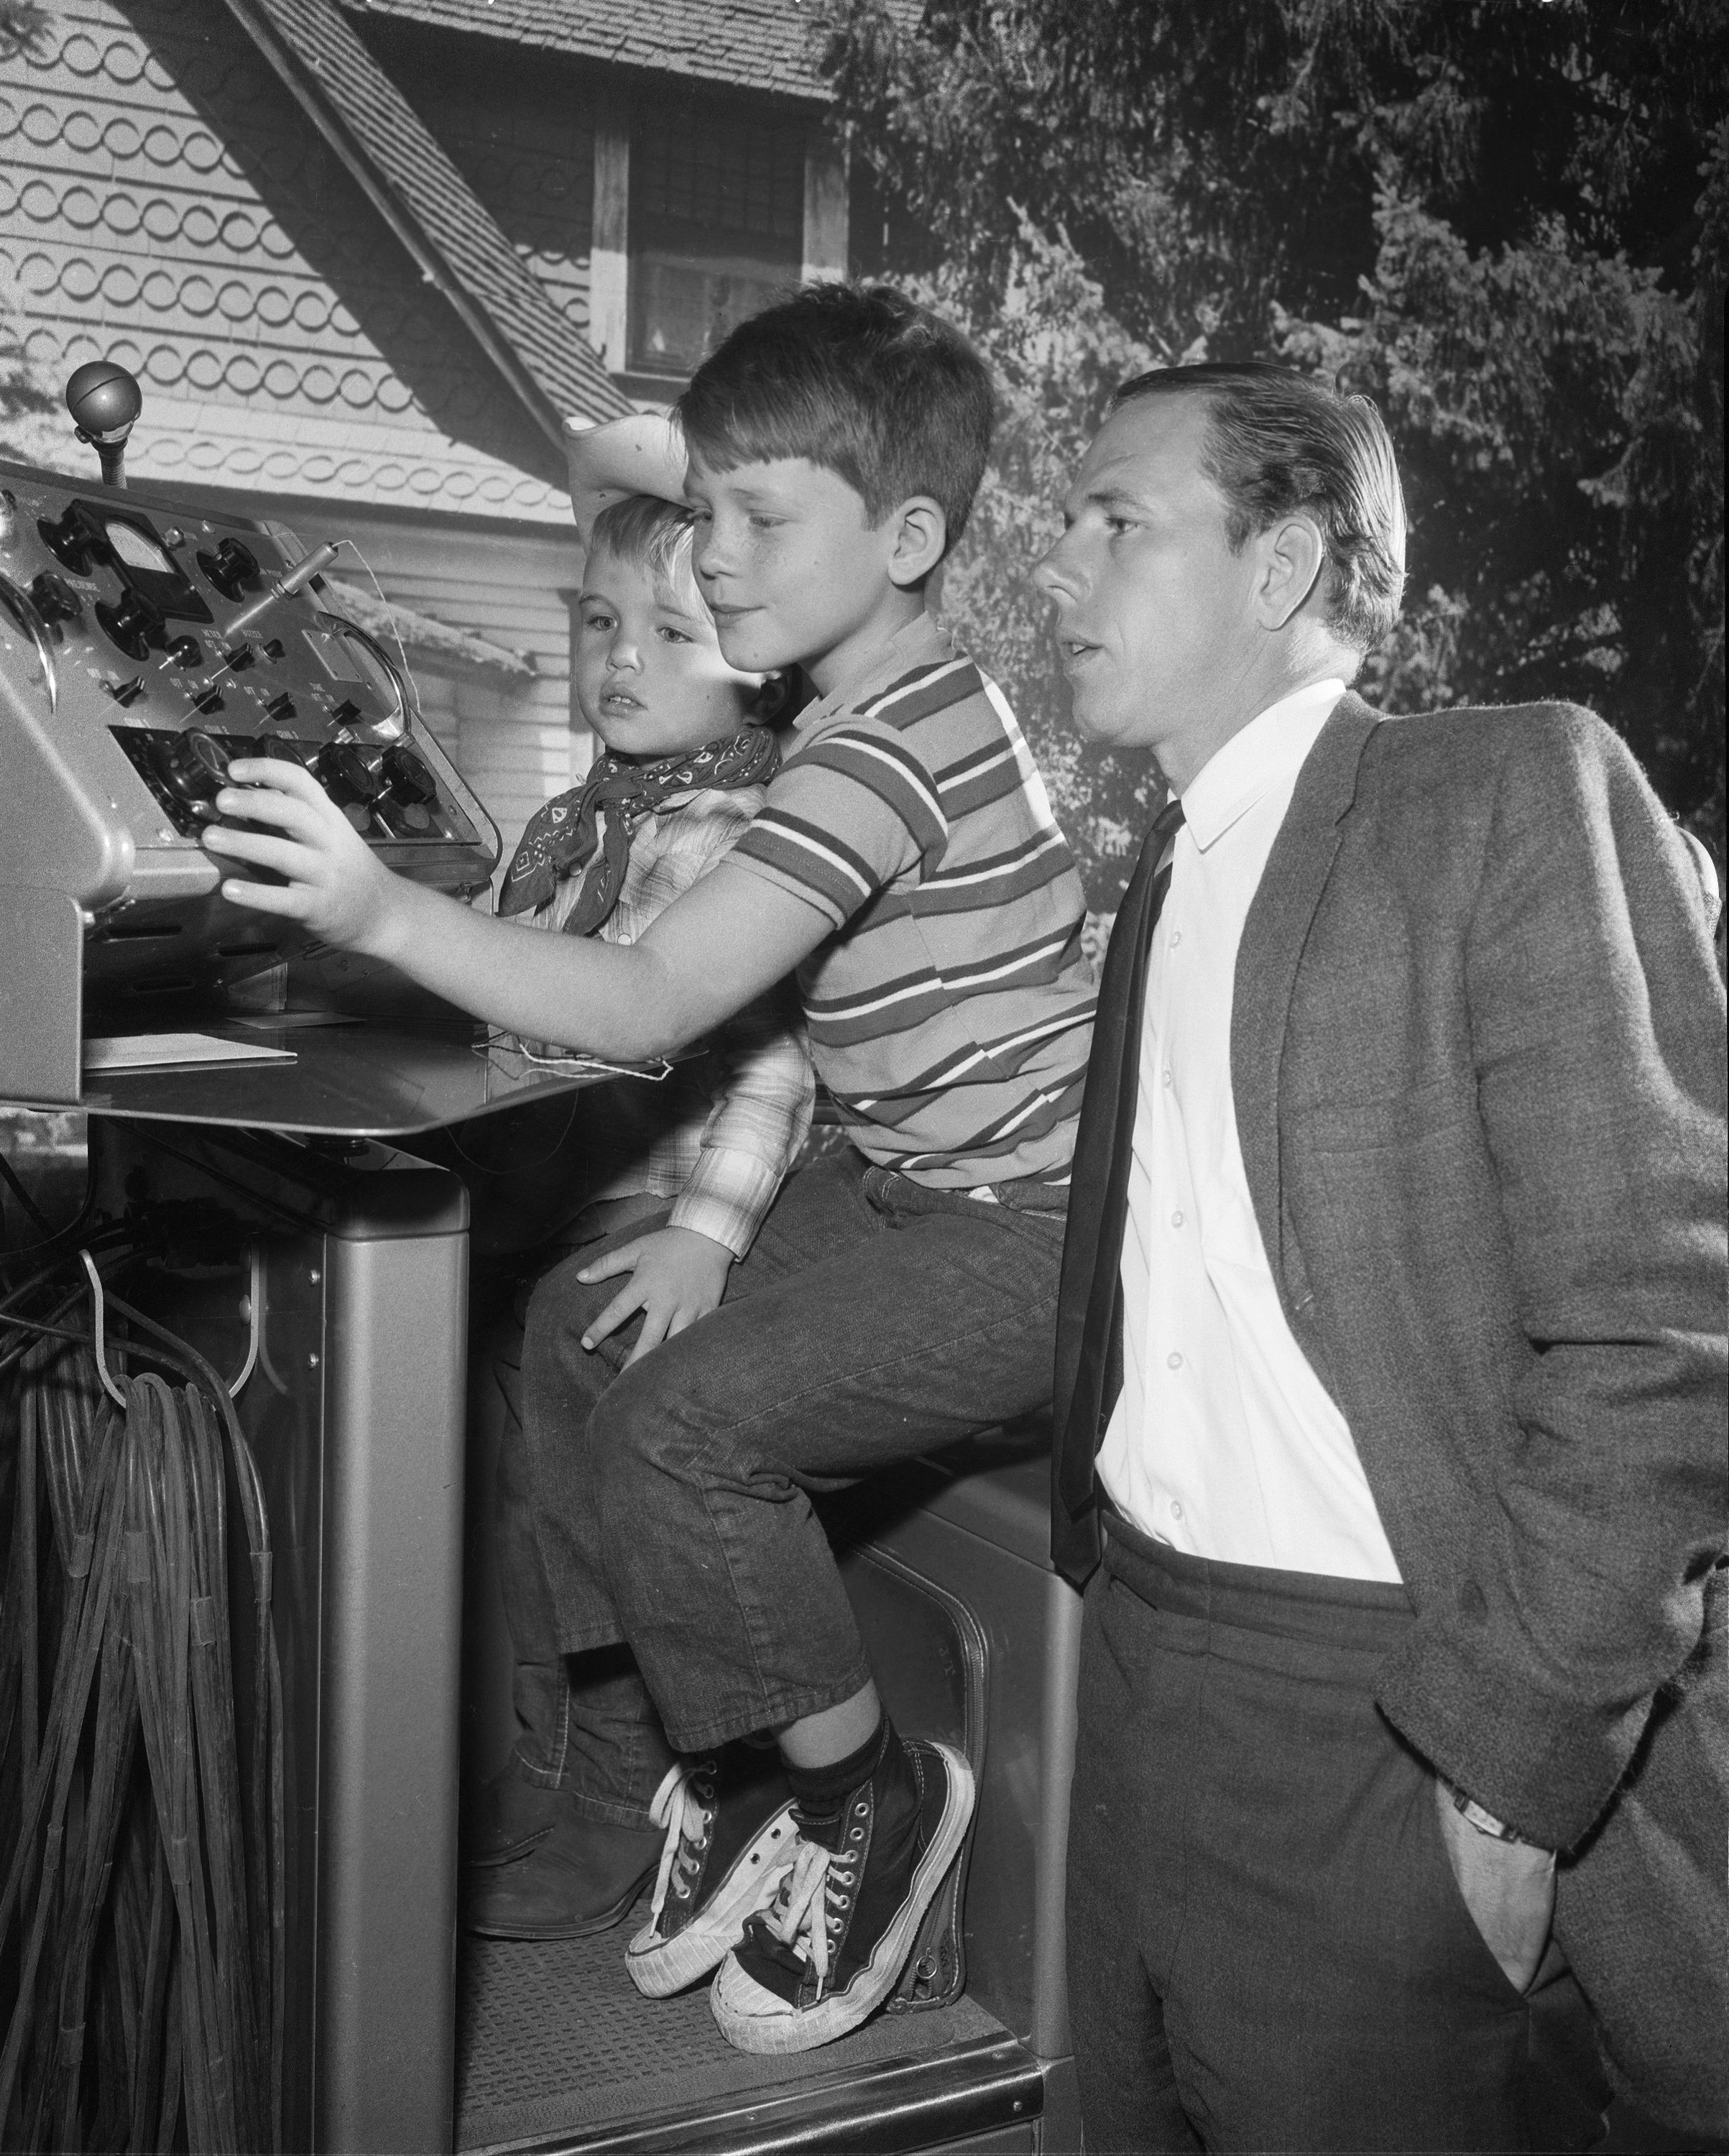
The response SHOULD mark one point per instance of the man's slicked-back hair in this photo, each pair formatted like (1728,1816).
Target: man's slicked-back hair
(858,380)
(1279,442)
(647,533)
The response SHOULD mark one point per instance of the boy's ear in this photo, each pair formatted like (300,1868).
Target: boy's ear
(921,531)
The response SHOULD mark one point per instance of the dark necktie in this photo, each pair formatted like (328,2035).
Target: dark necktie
(1089,1360)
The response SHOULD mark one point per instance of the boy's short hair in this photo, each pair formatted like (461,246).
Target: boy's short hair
(1278,441)
(646,533)
(858,380)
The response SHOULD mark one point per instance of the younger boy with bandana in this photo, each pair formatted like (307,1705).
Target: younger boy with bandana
(696,1159)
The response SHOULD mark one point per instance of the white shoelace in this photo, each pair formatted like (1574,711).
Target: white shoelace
(687,1819)
(801,1916)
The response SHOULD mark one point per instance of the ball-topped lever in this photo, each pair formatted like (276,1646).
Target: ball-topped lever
(105,402)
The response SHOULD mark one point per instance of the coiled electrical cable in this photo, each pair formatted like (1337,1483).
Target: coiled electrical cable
(142,1836)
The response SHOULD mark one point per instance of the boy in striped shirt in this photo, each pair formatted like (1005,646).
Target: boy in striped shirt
(906,868)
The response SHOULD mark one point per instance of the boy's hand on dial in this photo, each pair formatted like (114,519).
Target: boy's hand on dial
(335,884)
(676,1277)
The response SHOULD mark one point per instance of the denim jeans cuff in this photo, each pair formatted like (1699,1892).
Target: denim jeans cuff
(610,1811)
(772,1713)
(607,1814)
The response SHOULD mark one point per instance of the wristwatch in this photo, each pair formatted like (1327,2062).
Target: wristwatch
(1484,1822)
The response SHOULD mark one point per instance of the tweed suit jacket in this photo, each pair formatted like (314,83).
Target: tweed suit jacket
(1477,1053)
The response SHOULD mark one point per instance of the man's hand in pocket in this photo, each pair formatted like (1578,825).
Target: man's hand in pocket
(1508,1887)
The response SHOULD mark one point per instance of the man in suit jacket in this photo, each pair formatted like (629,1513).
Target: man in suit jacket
(1390,1431)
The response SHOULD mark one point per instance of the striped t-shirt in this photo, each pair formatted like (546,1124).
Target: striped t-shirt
(950,1012)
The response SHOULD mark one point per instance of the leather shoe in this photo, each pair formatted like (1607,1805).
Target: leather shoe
(509,1816)
(583,1875)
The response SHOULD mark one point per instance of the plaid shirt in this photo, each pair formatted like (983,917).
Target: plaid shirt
(717,1136)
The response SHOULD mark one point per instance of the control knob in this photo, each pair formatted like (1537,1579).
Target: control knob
(193,766)
(407,779)
(230,568)
(411,793)
(55,598)
(184,651)
(133,624)
(70,540)
(349,778)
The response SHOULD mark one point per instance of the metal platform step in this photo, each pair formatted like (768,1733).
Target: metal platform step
(557,2051)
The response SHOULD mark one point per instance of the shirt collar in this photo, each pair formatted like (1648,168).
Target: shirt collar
(1268,753)
(918,644)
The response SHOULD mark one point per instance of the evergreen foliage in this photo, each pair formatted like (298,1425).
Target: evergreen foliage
(1506,220)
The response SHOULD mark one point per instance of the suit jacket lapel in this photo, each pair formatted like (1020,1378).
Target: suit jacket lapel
(1273,939)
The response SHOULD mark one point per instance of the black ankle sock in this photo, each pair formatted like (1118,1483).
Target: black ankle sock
(820,1789)
(820,1793)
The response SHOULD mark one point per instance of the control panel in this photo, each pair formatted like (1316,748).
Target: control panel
(144,644)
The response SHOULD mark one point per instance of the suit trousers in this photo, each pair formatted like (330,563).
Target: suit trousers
(1267,1947)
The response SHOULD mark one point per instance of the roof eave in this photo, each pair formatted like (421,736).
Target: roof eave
(303,84)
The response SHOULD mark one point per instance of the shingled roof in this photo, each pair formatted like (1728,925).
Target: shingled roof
(753,44)
(431,209)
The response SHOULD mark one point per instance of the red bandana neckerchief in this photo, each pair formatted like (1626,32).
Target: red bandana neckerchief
(562,836)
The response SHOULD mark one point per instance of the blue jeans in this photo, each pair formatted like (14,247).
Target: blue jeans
(669,1504)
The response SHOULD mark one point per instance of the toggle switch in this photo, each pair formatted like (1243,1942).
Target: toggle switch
(281,709)
(125,693)
(210,700)
(238,657)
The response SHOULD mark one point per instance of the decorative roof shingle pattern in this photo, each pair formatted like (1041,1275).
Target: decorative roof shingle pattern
(522,136)
(163,204)
(341,83)
(749,44)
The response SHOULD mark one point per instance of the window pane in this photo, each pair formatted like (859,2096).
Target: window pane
(683,304)
(726,168)
(717,225)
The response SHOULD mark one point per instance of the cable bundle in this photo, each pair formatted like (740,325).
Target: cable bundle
(142,1943)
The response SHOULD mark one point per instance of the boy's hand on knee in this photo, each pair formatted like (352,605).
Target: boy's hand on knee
(676,1277)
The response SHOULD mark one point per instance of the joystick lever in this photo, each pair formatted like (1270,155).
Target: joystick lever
(105,402)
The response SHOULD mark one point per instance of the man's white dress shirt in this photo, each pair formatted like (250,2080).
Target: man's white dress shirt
(1223,1442)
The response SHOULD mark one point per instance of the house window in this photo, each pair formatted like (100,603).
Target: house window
(716,226)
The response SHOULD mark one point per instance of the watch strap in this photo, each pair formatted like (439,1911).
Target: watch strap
(1483,1820)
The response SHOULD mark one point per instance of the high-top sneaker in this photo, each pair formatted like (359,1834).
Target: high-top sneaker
(729,1837)
(831,1946)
